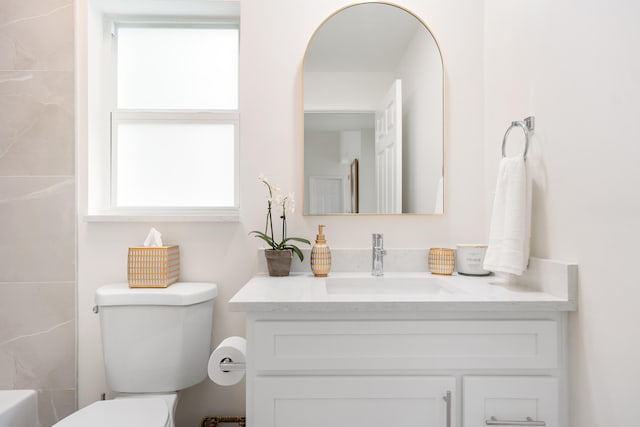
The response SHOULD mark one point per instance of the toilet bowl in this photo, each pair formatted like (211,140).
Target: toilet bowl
(155,342)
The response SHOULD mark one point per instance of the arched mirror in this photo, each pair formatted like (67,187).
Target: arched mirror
(373,114)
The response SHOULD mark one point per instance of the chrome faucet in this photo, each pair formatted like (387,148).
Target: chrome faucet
(376,255)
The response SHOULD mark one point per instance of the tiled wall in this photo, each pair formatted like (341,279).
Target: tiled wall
(37,207)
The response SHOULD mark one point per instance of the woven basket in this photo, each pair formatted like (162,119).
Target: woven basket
(441,261)
(153,267)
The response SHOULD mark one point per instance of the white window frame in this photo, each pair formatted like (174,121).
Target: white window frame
(102,206)
(172,117)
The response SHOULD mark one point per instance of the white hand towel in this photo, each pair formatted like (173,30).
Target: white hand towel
(510,230)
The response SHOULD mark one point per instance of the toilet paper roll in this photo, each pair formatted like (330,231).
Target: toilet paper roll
(231,349)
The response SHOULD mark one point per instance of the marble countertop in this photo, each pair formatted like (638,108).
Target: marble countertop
(549,286)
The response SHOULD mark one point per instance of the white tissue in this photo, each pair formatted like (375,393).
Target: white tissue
(233,348)
(154,238)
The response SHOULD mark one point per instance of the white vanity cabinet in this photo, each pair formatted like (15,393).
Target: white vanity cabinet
(405,369)
(408,349)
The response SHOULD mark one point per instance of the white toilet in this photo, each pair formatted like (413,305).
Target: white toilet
(155,342)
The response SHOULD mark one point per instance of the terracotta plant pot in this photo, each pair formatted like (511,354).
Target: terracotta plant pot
(278,262)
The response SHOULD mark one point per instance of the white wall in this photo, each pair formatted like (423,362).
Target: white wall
(575,65)
(274,35)
(271,128)
(421,73)
(355,91)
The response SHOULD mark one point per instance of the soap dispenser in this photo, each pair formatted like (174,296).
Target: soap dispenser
(320,255)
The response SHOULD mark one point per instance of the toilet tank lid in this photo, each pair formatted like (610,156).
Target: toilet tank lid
(180,293)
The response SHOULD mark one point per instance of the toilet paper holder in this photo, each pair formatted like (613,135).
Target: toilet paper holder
(228,365)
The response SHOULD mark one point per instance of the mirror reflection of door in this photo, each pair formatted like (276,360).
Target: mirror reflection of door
(389,151)
(327,194)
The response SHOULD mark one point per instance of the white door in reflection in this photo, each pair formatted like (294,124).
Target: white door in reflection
(327,194)
(389,151)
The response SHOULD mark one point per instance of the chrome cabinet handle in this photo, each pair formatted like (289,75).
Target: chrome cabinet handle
(447,398)
(528,422)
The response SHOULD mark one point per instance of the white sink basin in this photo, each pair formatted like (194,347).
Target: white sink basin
(387,285)
(18,408)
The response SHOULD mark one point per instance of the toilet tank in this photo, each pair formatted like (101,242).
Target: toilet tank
(155,339)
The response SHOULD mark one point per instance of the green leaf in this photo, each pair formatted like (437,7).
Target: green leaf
(297,239)
(297,251)
(265,237)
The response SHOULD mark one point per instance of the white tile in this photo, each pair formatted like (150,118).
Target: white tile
(36,123)
(37,219)
(36,35)
(54,405)
(45,360)
(30,308)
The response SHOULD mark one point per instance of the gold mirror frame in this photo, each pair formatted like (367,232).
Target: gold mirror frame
(443,133)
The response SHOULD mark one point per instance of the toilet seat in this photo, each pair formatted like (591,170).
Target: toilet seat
(148,412)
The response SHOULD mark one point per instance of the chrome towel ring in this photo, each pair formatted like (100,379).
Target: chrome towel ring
(528,125)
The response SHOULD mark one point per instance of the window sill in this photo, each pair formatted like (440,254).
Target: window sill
(226,215)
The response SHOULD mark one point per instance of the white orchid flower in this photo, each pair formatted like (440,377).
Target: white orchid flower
(290,203)
(270,187)
(278,199)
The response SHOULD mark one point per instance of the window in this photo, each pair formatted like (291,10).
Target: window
(168,121)
(177,67)
(175,122)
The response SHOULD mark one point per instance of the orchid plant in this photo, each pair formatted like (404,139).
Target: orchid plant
(284,202)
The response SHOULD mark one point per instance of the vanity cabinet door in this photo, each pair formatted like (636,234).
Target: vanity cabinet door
(510,401)
(381,401)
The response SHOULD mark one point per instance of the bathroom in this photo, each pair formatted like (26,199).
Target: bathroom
(571,64)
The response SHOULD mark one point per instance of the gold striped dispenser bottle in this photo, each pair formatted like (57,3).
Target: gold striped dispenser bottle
(320,255)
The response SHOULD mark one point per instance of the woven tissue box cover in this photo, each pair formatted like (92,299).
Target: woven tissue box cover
(153,267)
